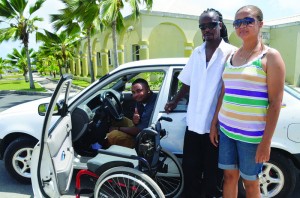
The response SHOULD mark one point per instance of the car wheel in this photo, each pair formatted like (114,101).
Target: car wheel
(278,178)
(17,159)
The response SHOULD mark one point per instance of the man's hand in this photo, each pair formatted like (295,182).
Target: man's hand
(214,135)
(136,117)
(170,106)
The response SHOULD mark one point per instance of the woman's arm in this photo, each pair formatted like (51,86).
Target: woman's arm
(275,69)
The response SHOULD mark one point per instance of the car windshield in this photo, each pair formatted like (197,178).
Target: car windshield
(293,91)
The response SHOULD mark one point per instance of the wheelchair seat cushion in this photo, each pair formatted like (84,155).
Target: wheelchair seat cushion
(102,162)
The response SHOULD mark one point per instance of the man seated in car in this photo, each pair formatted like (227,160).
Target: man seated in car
(123,133)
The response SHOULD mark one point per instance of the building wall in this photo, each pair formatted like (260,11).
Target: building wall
(285,39)
(161,35)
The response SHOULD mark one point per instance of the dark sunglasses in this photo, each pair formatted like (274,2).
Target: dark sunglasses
(210,25)
(245,21)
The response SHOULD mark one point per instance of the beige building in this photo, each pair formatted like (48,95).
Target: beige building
(162,34)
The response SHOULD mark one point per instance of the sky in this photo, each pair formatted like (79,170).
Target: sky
(272,9)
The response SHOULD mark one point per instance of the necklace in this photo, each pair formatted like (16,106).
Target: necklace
(248,54)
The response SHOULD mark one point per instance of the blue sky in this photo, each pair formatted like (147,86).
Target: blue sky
(272,9)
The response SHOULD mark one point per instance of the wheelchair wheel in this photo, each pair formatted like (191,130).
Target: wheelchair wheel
(169,176)
(126,182)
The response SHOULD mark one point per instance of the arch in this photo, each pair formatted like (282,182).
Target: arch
(197,40)
(167,40)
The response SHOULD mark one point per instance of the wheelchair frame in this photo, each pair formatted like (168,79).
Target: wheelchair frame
(145,173)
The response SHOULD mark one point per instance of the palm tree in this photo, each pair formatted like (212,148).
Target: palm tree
(77,15)
(111,16)
(12,13)
(19,59)
(61,46)
(2,66)
(45,61)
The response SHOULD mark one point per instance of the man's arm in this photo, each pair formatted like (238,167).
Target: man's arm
(171,105)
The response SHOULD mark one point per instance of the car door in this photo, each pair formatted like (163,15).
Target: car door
(52,157)
(175,129)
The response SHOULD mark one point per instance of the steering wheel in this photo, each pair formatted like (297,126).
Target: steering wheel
(113,105)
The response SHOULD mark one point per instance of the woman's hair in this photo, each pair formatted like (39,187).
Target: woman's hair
(223,31)
(258,13)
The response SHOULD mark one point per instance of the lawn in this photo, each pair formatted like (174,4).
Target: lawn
(17,82)
(80,83)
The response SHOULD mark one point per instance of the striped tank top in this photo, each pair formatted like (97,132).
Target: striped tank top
(243,112)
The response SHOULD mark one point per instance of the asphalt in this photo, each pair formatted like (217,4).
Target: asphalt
(44,81)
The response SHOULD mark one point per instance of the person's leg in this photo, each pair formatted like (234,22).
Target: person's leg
(191,165)
(249,168)
(230,185)
(228,160)
(120,138)
(252,188)
(213,176)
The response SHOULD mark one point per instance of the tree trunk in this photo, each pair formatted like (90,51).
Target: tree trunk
(29,67)
(90,56)
(115,43)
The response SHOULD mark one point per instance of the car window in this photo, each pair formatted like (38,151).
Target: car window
(155,80)
(174,89)
(294,92)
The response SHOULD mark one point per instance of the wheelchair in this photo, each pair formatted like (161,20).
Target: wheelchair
(144,171)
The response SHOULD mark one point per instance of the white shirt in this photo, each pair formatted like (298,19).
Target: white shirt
(205,85)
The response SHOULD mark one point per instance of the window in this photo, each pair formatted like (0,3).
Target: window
(99,59)
(135,52)
(174,89)
(109,57)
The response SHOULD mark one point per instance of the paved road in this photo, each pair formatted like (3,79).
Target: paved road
(10,188)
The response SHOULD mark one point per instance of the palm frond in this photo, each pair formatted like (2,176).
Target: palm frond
(19,5)
(38,4)
(6,10)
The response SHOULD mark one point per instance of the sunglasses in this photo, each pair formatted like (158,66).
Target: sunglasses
(245,21)
(210,25)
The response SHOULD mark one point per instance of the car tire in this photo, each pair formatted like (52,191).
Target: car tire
(278,178)
(17,159)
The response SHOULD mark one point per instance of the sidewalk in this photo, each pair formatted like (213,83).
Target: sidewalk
(45,82)
(50,84)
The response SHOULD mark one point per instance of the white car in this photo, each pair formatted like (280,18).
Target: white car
(21,126)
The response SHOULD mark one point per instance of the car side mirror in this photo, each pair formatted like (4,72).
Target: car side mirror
(42,109)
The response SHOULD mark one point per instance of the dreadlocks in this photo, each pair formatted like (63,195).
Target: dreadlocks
(223,31)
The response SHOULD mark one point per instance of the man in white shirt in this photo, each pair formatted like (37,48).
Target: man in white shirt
(201,77)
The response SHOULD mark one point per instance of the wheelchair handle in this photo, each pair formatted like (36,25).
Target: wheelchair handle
(168,119)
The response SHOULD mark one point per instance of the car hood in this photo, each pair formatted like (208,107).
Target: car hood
(26,107)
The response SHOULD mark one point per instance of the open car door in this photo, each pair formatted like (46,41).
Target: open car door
(52,157)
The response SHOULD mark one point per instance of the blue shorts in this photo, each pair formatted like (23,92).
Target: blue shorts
(234,154)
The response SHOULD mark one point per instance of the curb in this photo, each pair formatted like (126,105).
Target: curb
(25,92)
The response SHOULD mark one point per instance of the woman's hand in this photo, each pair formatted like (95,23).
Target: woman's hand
(263,152)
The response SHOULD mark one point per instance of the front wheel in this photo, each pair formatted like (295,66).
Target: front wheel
(17,159)
(169,175)
(278,178)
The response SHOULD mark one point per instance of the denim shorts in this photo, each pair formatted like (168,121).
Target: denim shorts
(237,155)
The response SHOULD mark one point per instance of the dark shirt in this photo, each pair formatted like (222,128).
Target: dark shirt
(145,111)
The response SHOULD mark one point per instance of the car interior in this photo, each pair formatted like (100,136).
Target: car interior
(92,118)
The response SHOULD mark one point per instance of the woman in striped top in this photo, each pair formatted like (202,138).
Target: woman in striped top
(249,105)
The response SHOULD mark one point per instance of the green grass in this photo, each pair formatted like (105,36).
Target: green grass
(80,83)
(17,82)
(18,85)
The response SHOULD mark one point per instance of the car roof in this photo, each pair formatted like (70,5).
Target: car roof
(154,62)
